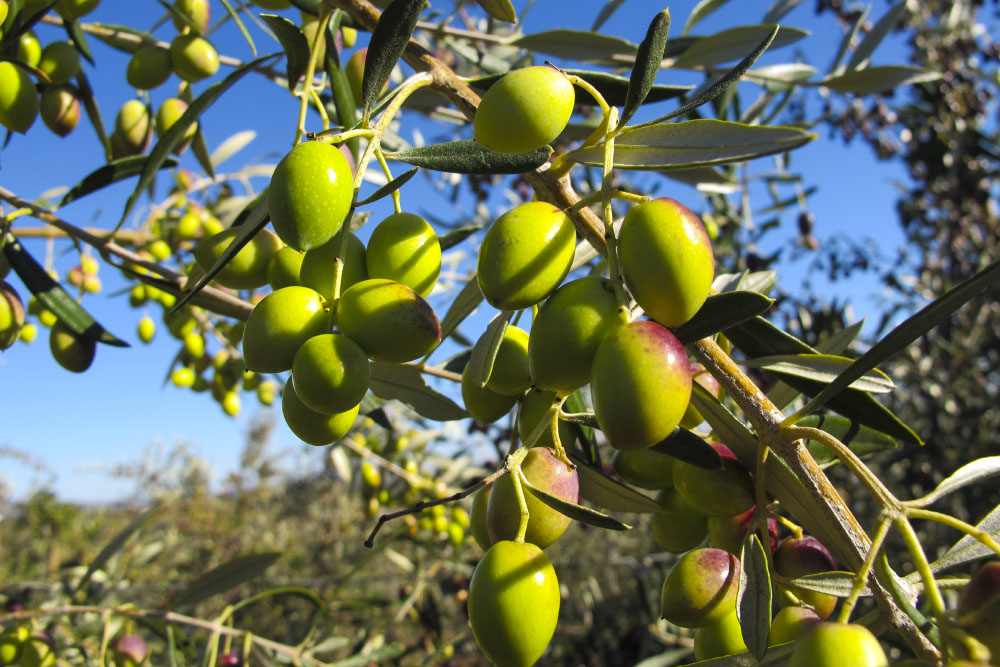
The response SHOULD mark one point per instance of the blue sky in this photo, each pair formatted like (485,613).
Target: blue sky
(77,426)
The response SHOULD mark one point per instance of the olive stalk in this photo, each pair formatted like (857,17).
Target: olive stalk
(307,90)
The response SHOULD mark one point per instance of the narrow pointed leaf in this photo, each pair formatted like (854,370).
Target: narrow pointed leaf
(839,584)
(110,173)
(700,11)
(184,19)
(389,188)
(93,111)
(874,80)
(79,39)
(860,439)
(406,384)
(232,146)
(613,88)
(753,599)
(575,403)
(579,45)
(223,578)
(600,490)
(734,44)
(468,157)
(875,36)
(720,312)
(175,135)
(779,9)
(908,331)
(115,544)
(457,235)
(390,37)
(501,10)
(725,424)
(609,8)
(822,368)
(577,512)
(693,143)
(295,44)
(970,473)
(54,297)
(308,6)
(685,446)
(468,300)
(780,78)
(782,394)
(647,64)
(969,548)
(200,149)
(239,23)
(484,354)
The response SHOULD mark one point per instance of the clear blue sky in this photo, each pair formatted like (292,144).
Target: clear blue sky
(79,425)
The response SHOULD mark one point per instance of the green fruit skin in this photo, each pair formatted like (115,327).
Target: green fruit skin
(29,49)
(355,71)
(134,126)
(666,260)
(310,25)
(194,58)
(60,110)
(198,11)
(640,383)
(59,61)
(723,637)
(798,558)
(331,373)
(248,269)
(545,524)
(390,321)
(405,248)
(11,315)
(510,375)
(310,194)
(513,604)
(524,110)
(534,405)
(525,255)
(979,606)
(73,352)
(691,416)
(791,624)
(76,8)
(477,522)
(838,645)
(4,8)
(18,98)
(567,332)
(312,427)
(149,68)
(318,266)
(170,112)
(727,532)
(484,405)
(701,588)
(724,492)
(12,645)
(679,527)
(285,268)
(279,324)
(645,468)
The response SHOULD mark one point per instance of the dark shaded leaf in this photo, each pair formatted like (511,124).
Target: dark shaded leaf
(579,45)
(308,6)
(239,23)
(577,512)
(860,439)
(700,11)
(461,306)
(54,297)
(93,111)
(457,235)
(79,39)
(720,312)
(609,8)
(753,600)
(839,584)
(779,9)
(612,88)
(389,188)
(822,368)
(458,362)
(875,36)
(647,64)
(223,578)
(575,403)
(200,150)
(727,427)
(874,80)
(599,489)
(390,37)
(295,44)
(406,384)
(484,354)
(108,174)
(686,446)
(733,44)
(468,157)
(115,544)
(501,10)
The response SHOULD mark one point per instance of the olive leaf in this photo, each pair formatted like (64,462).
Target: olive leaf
(406,384)
(93,111)
(733,44)
(389,188)
(970,473)
(468,157)
(753,599)
(839,584)
(484,354)
(110,173)
(467,300)
(823,368)
(579,45)
(720,312)
(457,235)
(686,446)
(860,439)
(295,44)
(389,39)
(599,489)
(968,548)
(223,578)
(647,64)
(574,511)
(501,10)
(874,80)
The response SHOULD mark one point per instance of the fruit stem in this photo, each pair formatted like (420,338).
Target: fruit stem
(516,477)
(307,83)
(861,578)
(596,94)
(923,567)
(953,522)
(553,416)
(380,156)
(609,228)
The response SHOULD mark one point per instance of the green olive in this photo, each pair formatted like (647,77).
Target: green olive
(525,255)
(193,57)
(679,527)
(248,269)
(279,324)
(71,350)
(800,557)
(836,645)
(477,522)
(18,98)
(723,637)
(285,268)
(331,373)
(405,248)
(29,49)
(727,491)
(513,603)
(312,427)
(133,127)
(510,375)
(11,315)
(728,532)
(310,194)
(700,589)
(149,68)
(640,383)
(666,260)
(525,110)
(74,9)
(390,321)
(310,26)
(146,329)
(170,112)
(60,61)
(645,468)
(567,332)
(60,109)
(790,624)
(534,406)
(318,265)
(484,405)
(198,11)
(698,373)
(355,70)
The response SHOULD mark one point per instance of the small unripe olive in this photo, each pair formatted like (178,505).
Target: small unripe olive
(312,427)
(666,260)
(29,49)
(388,320)
(510,375)
(836,645)
(567,332)
(198,11)
(149,68)
(170,112)
(60,109)
(71,350)
(331,373)
(727,491)
(129,650)
(700,588)
(477,522)
(18,98)
(645,468)
(640,383)
(318,265)
(534,406)
(405,248)
(193,57)
(60,61)
(134,125)
(285,268)
(728,532)
(679,527)
(484,405)
(310,26)
(146,329)
(248,269)
(355,71)
(525,255)
(74,9)
(11,315)
(698,373)
(723,637)
(800,557)
(279,324)
(525,110)
(310,194)
(790,624)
